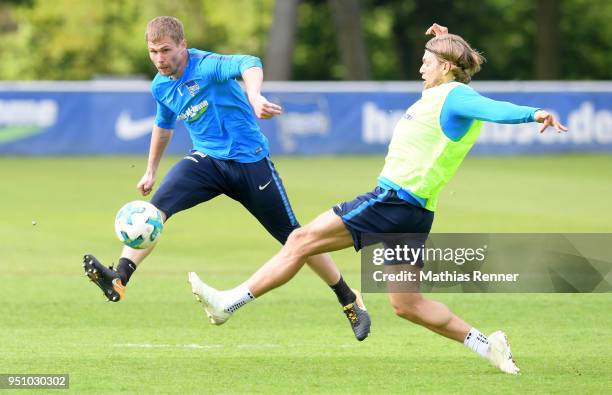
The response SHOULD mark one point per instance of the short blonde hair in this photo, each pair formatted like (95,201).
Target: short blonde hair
(164,27)
(453,49)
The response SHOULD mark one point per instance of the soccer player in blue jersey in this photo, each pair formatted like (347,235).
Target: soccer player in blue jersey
(229,156)
(428,145)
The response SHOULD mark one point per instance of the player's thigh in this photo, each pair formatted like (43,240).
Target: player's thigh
(325,234)
(191,181)
(407,304)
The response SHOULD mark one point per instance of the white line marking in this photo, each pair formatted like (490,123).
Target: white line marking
(146,345)
(258,345)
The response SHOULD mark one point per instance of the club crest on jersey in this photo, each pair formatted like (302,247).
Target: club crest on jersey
(192,86)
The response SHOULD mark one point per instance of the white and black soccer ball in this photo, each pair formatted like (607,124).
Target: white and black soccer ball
(138,224)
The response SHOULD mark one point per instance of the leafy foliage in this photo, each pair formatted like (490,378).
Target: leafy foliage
(72,39)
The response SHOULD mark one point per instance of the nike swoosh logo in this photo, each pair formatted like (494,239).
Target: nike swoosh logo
(127,128)
(262,187)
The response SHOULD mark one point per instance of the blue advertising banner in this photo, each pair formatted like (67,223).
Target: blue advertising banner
(98,117)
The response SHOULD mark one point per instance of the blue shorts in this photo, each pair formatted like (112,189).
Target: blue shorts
(198,178)
(382,212)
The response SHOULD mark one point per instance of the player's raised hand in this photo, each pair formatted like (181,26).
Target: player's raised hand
(145,185)
(263,108)
(436,30)
(547,119)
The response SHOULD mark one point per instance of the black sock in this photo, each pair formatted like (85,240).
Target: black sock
(125,268)
(343,292)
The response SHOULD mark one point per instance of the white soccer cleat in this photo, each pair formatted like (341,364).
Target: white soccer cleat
(499,354)
(210,299)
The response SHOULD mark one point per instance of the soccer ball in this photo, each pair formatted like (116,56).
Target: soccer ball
(138,224)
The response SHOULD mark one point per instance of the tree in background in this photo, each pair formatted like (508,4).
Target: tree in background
(318,39)
(281,41)
(349,42)
(347,15)
(547,59)
(73,39)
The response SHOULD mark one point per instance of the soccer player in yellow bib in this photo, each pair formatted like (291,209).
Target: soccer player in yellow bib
(428,145)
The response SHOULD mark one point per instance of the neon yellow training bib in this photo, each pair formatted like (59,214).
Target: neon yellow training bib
(421,158)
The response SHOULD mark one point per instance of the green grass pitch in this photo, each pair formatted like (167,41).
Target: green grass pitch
(294,340)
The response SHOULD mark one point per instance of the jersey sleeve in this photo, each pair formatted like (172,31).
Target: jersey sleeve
(225,67)
(465,102)
(164,118)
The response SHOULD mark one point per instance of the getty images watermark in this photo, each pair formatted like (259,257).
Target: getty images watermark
(407,255)
(485,262)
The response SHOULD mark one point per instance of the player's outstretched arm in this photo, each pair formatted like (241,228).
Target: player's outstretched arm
(159,140)
(436,30)
(547,119)
(464,102)
(253,78)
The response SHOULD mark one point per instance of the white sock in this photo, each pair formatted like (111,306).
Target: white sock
(477,341)
(237,297)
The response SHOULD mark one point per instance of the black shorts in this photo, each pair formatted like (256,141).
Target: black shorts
(198,178)
(382,212)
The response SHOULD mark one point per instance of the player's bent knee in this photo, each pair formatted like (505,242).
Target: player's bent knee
(406,312)
(295,237)
(407,308)
(299,236)
(297,242)
(302,241)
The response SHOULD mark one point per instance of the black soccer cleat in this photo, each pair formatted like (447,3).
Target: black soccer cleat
(358,317)
(105,278)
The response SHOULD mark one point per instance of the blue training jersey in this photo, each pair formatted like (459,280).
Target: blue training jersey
(213,106)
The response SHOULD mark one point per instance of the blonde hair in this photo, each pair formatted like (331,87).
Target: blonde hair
(164,27)
(465,61)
